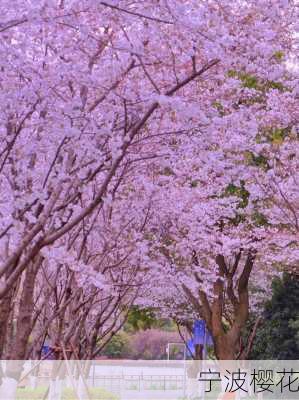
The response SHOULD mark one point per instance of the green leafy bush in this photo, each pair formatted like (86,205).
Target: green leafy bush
(278,337)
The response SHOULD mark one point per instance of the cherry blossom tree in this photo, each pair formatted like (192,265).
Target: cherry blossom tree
(228,203)
(143,145)
(82,85)
(73,120)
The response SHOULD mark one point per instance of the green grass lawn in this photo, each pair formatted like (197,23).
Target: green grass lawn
(67,394)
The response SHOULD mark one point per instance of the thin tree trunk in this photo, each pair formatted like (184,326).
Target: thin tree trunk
(18,346)
(5,312)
